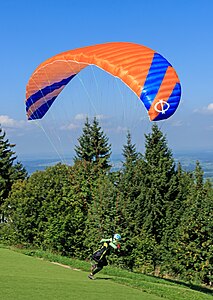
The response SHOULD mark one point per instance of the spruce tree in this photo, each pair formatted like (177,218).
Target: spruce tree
(100,145)
(174,214)
(177,207)
(102,211)
(9,171)
(129,152)
(129,189)
(94,146)
(85,151)
(160,184)
(191,255)
(129,184)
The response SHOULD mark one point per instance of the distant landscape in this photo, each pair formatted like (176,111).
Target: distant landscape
(187,160)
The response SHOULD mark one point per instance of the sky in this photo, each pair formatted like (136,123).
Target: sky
(32,31)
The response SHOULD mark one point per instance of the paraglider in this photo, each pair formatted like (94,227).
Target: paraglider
(99,257)
(148,74)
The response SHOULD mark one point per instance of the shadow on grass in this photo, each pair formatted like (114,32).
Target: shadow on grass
(192,286)
(195,287)
(103,278)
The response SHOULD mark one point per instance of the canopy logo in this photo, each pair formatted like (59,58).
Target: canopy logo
(161,106)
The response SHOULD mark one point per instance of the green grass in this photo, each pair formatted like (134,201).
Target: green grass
(25,277)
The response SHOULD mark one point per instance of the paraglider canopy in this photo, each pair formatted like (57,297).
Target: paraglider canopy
(148,74)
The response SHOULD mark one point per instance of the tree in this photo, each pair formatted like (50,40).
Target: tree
(157,182)
(177,207)
(129,188)
(129,152)
(46,210)
(85,151)
(191,255)
(94,146)
(160,186)
(129,184)
(9,170)
(102,212)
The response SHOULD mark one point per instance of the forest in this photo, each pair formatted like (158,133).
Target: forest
(163,213)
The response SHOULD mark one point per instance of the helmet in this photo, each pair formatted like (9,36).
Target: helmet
(117,237)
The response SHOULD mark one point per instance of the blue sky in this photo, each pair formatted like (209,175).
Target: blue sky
(32,31)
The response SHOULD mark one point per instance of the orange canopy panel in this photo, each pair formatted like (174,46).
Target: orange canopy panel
(148,74)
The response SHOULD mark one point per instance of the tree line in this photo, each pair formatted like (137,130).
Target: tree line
(163,213)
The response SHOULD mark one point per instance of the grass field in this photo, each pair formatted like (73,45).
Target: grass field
(24,277)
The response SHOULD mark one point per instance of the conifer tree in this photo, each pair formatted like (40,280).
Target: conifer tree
(129,189)
(129,152)
(129,185)
(94,146)
(100,145)
(174,214)
(9,170)
(177,207)
(84,151)
(102,212)
(160,184)
(192,249)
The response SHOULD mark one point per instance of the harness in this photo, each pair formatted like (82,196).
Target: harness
(101,253)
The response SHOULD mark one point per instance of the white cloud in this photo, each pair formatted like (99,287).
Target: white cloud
(120,129)
(78,120)
(9,123)
(177,123)
(205,110)
(210,108)
(101,117)
(80,117)
(70,126)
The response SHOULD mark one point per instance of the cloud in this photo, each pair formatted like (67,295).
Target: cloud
(101,117)
(210,108)
(70,126)
(9,123)
(120,129)
(80,117)
(177,123)
(205,110)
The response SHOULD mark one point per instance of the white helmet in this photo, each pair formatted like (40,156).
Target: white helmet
(117,237)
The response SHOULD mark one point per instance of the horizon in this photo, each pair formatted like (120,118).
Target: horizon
(187,159)
(52,155)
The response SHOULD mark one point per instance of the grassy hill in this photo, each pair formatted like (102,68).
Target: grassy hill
(25,277)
